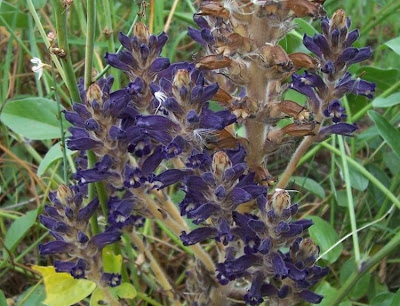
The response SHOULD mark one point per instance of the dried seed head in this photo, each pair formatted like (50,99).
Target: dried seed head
(64,194)
(94,93)
(305,8)
(302,60)
(338,19)
(141,31)
(299,130)
(212,62)
(279,201)
(181,79)
(220,163)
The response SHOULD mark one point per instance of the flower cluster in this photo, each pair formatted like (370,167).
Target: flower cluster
(162,129)
(68,221)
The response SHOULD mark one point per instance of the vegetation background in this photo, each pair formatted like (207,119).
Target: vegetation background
(343,188)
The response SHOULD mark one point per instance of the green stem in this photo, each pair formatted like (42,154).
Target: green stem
(365,172)
(145,298)
(379,19)
(350,202)
(365,267)
(62,35)
(385,94)
(91,28)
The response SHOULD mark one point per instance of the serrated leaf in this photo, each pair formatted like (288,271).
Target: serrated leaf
(18,229)
(325,236)
(310,185)
(388,132)
(389,101)
(394,44)
(53,154)
(62,288)
(33,118)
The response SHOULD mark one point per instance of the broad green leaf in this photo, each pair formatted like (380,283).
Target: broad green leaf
(325,236)
(382,77)
(383,299)
(53,154)
(19,228)
(9,12)
(392,162)
(123,291)
(111,262)
(396,299)
(392,100)
(394,44)
(63,287)
(34,295)
(329,293)
(341,198)
(389,133)
(33,118)
(305,27)
(310,185)
(3,300)
(361,287)
(357,180)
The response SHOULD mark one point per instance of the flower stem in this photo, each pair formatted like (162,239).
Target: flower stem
(91,28)
(158,272)
(62,35)
(350,202)
(365,267)
(291,167)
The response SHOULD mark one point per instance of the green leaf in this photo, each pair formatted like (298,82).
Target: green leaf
(392,100)
(63,287)
(357,180)
(19,228)
(394,44)
(33,118)
(34,295)
(361,287)
(310,185)
(3,300)
(387,131)
(383,299)
(382,77)
(123,291)
(9,12)
(111,262)
(341,198)
(329,293)
(396,299)
(305,27)
(53,154)
(325,236)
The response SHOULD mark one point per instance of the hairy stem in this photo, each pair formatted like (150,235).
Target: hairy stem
(291,167)
(158,272)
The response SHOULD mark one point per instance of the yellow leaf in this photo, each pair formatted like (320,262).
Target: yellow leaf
(62,289)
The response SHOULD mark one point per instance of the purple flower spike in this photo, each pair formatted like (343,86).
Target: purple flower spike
(197,235)
(103,239)
(54,247)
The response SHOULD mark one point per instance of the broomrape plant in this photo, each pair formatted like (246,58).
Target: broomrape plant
(159,134)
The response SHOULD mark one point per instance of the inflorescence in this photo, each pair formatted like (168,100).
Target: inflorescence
(160,130)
